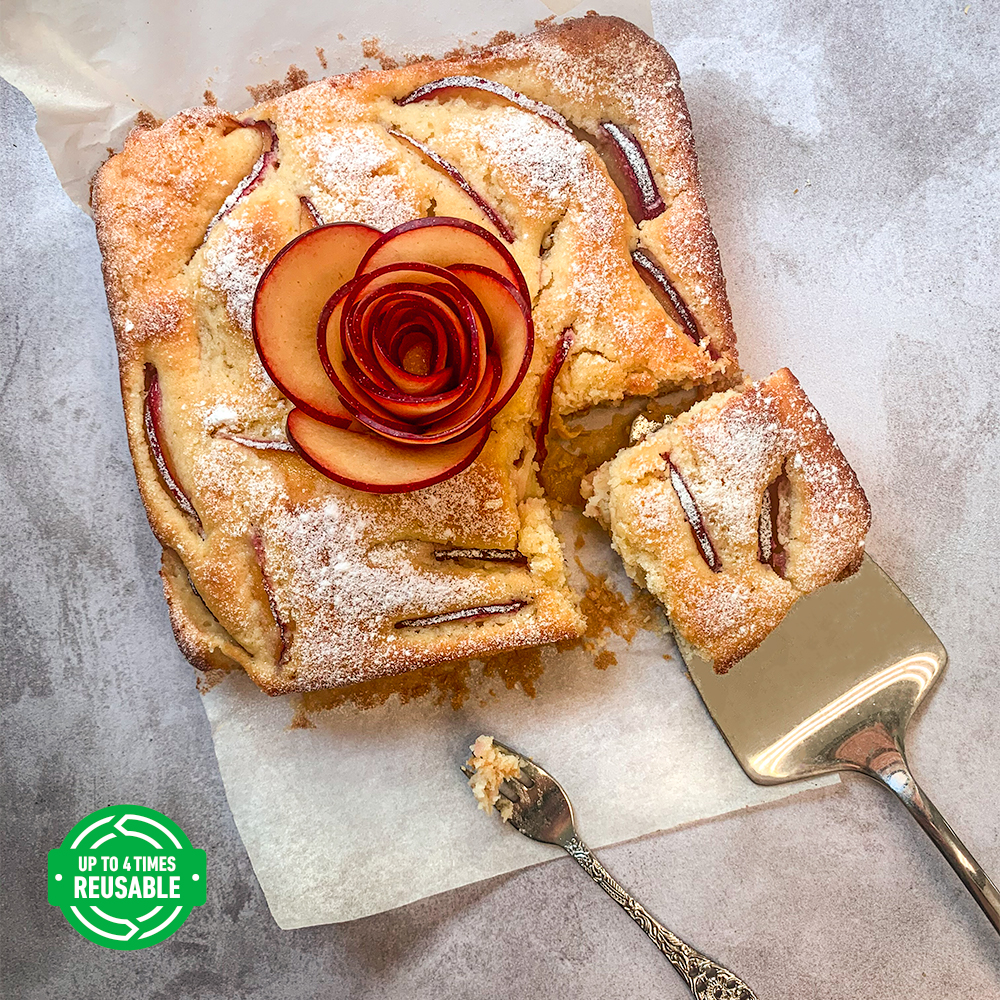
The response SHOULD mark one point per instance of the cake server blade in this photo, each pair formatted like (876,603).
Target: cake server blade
(832,689)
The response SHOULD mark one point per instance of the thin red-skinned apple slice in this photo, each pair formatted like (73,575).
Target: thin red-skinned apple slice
(447,87)
(387,467)
(268,158)
(693,517)
(545,393)
(438,307)
(460,423)
(630,171)
(459,178)
(152,419)
(444,241)
(258,444)
(464,615)
(483,555)
(774,510)
(336,357)
(616,144)
(510,318)
(291,296)
(371,401)
(284,630)
(309,218)
(438,374)
(668,296)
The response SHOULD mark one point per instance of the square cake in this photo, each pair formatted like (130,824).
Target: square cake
(313,537)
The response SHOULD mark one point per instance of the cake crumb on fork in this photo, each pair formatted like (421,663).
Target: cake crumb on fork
(490,767)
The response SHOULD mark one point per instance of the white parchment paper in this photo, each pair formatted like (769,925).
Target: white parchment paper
(89,67)
(367,810)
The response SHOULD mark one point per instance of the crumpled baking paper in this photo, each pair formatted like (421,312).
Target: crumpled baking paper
(90,67)
(367,809)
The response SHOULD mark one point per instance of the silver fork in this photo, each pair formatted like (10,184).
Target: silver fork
(542,811)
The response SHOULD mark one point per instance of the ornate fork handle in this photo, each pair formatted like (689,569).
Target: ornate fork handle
(706,979)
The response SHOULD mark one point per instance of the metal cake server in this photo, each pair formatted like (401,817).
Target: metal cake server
(540,809)
(832,689)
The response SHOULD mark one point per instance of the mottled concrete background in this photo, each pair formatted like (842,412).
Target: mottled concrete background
(850,157)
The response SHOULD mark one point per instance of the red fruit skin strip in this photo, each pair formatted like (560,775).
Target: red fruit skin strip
(267,158)
(310,208)
(151,413)
(456,175)
(548,383)
(485,555)
(284,632)
(466,614)
(641,193)
(769,550)
(443,88)
(657,279)
(693,517)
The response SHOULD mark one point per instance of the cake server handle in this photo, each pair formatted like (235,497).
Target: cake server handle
(879,754)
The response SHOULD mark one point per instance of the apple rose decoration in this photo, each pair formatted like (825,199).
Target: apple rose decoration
(396,348)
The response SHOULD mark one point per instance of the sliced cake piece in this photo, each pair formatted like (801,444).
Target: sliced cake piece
(732,511)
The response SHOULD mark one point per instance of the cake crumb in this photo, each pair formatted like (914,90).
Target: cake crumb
(207,679)
(491,767)
(321,56)
(604,659)
(146,119)
(295,79)
(516,668)
(501,38)
(210,99)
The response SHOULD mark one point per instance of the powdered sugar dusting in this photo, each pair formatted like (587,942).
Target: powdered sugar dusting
(545,162)
(353,594)
(220,415)
(553,176)
(360,178)
(345,566)
(233,266)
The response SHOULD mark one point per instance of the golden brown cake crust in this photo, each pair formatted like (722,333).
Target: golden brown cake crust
(299,580)
(725,595)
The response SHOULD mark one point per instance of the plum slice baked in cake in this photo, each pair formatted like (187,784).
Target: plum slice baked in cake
(516,235)
(732,511)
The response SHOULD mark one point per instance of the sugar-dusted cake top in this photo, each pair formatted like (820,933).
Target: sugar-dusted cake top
(573,148)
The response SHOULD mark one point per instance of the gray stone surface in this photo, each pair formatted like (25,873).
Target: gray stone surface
(875,282)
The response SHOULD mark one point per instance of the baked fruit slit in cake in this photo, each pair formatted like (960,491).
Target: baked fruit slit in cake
(366,304)
(732,511)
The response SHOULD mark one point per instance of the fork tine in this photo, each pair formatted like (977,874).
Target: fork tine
(522,780)
(513,791)
(529,769)
(508,795)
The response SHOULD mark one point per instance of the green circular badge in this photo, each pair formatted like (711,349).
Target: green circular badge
(126,877)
